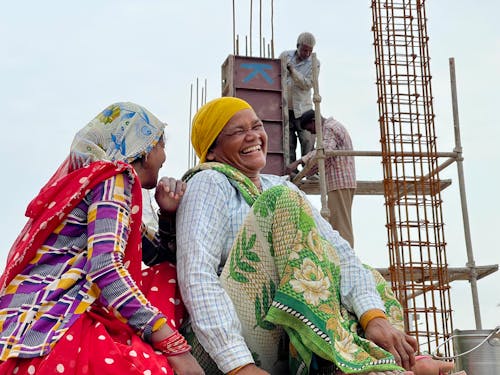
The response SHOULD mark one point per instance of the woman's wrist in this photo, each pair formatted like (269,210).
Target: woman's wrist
(166,212)
(159,324)
(368,316)
(173,344)
(238,369)
(161,330)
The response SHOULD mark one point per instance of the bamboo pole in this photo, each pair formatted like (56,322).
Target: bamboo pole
(284,108)
(465,214)
(190,148)
(452,157)
(320,150)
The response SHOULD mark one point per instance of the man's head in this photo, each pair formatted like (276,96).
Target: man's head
(308,121)
(305,45)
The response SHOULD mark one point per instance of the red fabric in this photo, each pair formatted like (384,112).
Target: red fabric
(97,343)
(159,285)
(55,200)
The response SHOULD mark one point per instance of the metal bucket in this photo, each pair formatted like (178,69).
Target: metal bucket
(477,351)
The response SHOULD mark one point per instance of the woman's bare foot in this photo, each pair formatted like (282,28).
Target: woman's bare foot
(426,365)
(382,373)
(391,373)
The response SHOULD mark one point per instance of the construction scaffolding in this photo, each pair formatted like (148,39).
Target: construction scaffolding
(411,185)
(418,266)
(414,218)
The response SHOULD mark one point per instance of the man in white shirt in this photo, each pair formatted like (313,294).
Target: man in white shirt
(299,91)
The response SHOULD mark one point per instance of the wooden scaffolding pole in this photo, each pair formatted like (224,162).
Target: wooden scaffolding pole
(465,213)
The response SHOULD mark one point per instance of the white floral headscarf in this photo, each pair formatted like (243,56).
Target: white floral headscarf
(121,132)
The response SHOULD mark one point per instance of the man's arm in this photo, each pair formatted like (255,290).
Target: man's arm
(329,144)
(302,76)
(302,80)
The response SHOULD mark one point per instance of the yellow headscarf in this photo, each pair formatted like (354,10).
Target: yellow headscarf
(210,120)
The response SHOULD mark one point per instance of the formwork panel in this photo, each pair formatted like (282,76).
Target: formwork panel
(274,164)
(267,104)
(275,137)
(259,81)
(254,72)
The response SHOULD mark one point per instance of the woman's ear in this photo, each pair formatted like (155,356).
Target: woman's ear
(211,153)
(141,164)
(144,161)
(210,156)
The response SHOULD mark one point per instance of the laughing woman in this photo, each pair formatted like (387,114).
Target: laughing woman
(73,297)
(256,260)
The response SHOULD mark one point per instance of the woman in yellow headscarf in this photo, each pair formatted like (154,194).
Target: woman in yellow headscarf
(255,259)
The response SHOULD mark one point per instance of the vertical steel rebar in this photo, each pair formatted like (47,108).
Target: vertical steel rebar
(251,25)
(234,28)
(416,242)
(272,29)
(261,47)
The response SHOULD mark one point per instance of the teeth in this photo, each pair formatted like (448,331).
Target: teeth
(250,149)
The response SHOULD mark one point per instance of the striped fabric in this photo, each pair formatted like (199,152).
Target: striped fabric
(340,170)
(80,263)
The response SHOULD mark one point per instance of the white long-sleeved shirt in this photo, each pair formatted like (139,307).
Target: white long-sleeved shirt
(299,82)
(208,219)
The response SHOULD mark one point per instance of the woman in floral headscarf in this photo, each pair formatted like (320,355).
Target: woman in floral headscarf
(73,297)
(255,259)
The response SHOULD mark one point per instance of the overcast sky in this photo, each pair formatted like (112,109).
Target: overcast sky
(64,61)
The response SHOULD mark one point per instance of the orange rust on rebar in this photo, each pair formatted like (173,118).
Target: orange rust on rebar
(416,242)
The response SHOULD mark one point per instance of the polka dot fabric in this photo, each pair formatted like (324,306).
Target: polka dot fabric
(97,343)
(159,285)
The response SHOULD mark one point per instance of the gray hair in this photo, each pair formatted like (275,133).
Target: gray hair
(307,39)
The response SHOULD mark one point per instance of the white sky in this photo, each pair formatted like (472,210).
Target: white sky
(62,62)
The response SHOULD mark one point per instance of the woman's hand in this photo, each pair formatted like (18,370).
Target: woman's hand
(169,192)
(399,344)
(185,364)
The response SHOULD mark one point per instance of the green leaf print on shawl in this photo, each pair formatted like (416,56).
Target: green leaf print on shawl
(241,256)
(282,266)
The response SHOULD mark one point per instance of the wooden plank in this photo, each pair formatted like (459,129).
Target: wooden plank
(454,273)
(371,187)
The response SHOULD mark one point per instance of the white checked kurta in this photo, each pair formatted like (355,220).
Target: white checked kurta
(208,219)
